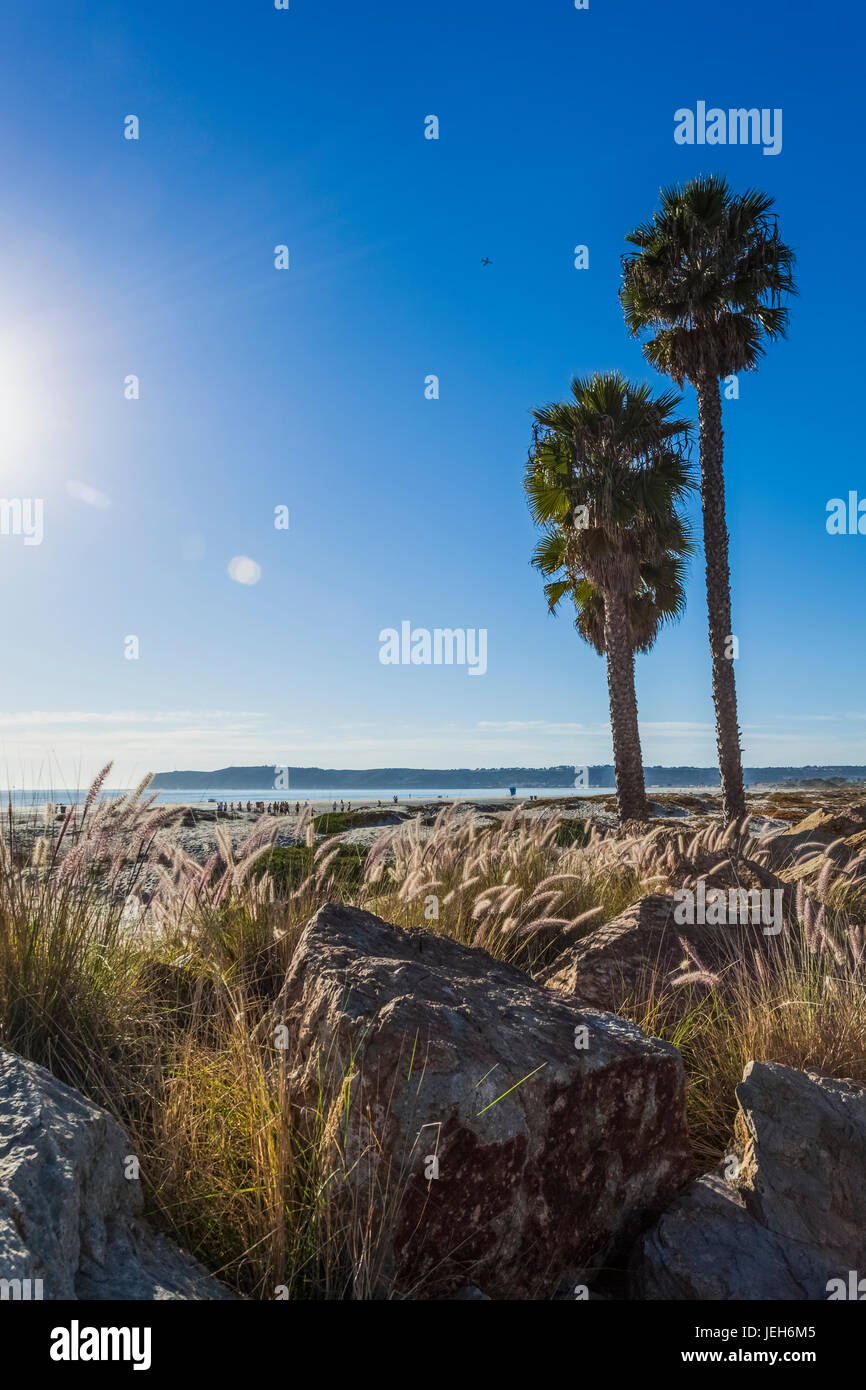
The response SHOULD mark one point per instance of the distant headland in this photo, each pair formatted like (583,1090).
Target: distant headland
(445,779)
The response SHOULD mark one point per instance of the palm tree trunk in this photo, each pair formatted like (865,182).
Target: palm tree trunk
(627,757)
(719,596)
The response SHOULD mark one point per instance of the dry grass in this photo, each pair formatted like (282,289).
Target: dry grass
(154,1011)
(511,888)
(158,1008)
(803,1009)
(803,1003)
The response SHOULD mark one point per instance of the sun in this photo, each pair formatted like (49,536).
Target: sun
(32,395)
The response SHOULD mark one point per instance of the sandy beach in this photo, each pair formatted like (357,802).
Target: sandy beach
(194,824)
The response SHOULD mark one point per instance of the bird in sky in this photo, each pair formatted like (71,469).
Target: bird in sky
(485,260)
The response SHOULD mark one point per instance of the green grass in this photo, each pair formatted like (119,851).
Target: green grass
(289,866)
(572,832)
(335,822)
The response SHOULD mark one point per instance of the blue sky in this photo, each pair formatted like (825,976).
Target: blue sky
(305,387)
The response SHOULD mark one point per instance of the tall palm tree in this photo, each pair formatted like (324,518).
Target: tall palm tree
(708,280)
(605,476)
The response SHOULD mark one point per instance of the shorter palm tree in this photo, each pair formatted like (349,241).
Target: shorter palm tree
(606,476)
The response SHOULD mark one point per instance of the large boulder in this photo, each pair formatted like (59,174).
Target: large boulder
(643,949)
(811,837)
(69,1214)
(721,869)
(791,1218)
(708,1247)
(810,864)
(833,824)
(555,1129)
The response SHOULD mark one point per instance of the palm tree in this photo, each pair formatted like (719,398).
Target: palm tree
(604,478)
(708,280)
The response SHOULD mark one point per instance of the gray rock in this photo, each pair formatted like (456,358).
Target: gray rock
(793,1218)
(548,1154)
(816,832)
(68,1215)
(707,1246)
(644,947)
(804,1168)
